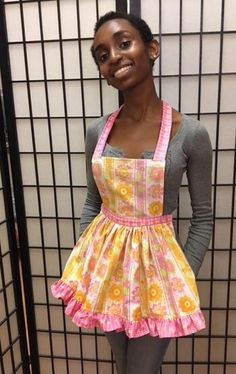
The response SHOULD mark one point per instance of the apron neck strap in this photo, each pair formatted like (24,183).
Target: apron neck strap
(163,139)
(164,135)
(105,132)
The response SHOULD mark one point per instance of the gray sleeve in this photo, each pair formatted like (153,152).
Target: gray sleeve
(199,169)
(92,203)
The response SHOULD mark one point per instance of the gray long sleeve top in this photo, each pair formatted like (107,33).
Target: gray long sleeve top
(188,151)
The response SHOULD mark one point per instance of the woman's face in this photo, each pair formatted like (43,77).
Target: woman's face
(123,58)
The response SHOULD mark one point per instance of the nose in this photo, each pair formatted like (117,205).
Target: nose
(115,55)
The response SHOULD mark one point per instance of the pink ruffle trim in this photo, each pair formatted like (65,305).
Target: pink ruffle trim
(155,327)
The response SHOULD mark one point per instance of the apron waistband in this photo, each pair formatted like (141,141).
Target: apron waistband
(144,221)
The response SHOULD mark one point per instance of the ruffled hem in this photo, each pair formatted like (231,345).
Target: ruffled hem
(182,326)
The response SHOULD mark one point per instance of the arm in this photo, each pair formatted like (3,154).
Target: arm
(199,169)
(92,203)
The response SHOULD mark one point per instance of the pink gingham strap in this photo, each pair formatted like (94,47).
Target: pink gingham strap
(105,132)
(163,139)
(164,135)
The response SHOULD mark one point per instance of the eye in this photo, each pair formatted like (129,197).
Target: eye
(102,57)
(125,44)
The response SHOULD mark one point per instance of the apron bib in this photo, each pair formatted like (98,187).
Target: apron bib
(127,272)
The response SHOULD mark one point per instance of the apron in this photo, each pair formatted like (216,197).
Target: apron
(127,271)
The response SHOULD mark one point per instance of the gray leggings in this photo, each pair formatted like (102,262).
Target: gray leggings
(142,355)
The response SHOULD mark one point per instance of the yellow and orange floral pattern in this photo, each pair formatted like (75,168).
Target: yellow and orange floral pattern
(137,315)
(134,277)
(155,293)
(186,304)
(118,192)
(155,208)
(115,292)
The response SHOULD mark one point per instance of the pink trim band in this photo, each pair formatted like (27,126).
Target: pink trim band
(136,222)
(105,132)
(163,328)
(164,136)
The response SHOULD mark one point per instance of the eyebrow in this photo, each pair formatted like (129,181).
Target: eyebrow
(116,35)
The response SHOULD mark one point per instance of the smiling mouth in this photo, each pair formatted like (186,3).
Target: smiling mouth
(122,70)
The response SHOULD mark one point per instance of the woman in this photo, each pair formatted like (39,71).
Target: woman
(127,274)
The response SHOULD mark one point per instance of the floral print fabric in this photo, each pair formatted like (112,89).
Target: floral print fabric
(129,187)
(127,272)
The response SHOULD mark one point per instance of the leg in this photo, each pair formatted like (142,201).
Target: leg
(118,342)
(145,354)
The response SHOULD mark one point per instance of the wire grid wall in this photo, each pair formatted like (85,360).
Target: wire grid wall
(9,341)
(57,94)
(13,345)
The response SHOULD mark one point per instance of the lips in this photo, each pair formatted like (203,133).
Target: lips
(122,70)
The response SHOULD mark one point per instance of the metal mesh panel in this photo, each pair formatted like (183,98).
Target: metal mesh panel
(9,342)
(57,94)
(13,347)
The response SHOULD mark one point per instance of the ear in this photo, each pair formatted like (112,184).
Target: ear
(153,50)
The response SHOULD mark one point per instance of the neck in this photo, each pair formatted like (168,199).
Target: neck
(141,102)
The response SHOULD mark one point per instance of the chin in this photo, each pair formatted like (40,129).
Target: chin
(131,86)
(124,86)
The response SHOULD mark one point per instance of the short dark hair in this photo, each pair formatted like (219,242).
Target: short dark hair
(138,23)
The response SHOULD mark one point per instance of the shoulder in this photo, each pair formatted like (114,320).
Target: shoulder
(95,128)
(194,135)
(92,133)
(192,127)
